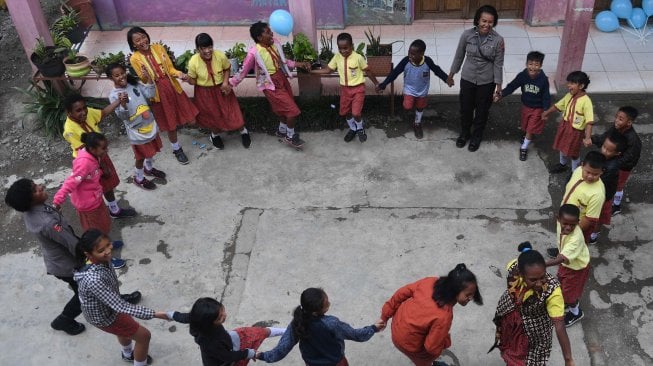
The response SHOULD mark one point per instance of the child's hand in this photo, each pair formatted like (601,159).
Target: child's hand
(497,97)
(450,81)
(587,142)
(378,89)
(380,325)
(258,356)
(545,116)
(161,315)
(56,207)
(183,77)
(304,65)
(144,75)
(226,89)
(124,99)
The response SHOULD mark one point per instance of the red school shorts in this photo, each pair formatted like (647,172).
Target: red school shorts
(606,213)
(623,178)
(531,120)
(412,101)
(572,283)
(352,99)
(124,326)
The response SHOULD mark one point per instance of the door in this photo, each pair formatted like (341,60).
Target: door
(459,9)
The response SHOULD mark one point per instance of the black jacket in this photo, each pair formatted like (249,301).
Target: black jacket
(629,158)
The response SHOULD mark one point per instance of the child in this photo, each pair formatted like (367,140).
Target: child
(321,337)
(139,122)
(170,104)
(272,73)
(218,345)
(575,128)
(535,98)
(623,123)
(613,147)
(573,258)
(82,119)
(102,305)
(417,79)
(350,66)
(218,107)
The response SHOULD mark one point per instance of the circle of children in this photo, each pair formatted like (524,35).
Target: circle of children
(534,302)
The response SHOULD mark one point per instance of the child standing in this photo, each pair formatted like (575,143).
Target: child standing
(573,259)
(218,107)
(535,98)
(321,337)
(102,305)
(272,73)
(623,123)
(139,122)
(170,104)
(575,128)
(350,66)
(82,119)
(417,79)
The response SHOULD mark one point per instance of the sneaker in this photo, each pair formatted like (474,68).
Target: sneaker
(552,252)
(154,172)
(523,154)
(246,139)
(133,298)
(593,240)
(473,145)
(571,319)
(362,136)
(417,127)
(217,142)
(117,244)
(131,358)
(118,263)
(70,326)
(181,157)
(461,141)
(123,213)
(350,135)
(295,140)
(558,168)
(146,184)
(616,210)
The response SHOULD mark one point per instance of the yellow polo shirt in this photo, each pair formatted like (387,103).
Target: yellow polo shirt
(267,58)
(72,131)
(349,69)
(588,197)
(197,69)
(573,247)
(555,303)
(581,114)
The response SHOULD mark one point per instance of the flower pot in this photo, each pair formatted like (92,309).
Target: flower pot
(78,67)
(234,65)
(85,10)
(380,65)
(76,34)
(52,67)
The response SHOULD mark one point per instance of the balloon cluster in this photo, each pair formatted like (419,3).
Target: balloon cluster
(608,20)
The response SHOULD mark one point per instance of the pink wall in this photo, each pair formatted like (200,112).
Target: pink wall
(538,12)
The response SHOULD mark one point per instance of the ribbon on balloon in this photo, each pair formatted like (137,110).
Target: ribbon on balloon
(637,18)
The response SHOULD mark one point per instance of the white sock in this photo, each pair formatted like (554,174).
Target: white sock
(352,124)
(418,117)
(276,332)
(359,125)
(139,174)
(175,146)
(149,163)
(290,132)
(127,350)
(593,236)
(282,127)
(113,207)
(575,163)
(563,159)
(574,309)
(140,363)
(617,198)
(524,146)
(244,131)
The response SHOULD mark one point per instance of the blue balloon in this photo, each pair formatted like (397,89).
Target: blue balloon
(606,21)
(637,18)
(281,22)
(647,5)
(622,8)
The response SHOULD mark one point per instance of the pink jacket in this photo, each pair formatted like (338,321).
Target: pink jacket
(83,184)
(254,60)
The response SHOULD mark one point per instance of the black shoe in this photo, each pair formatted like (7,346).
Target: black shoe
(523,154)
(131,358)
(571,319)
(217,142)
(593,240)
(461,141)
(616,210)
(350,135)
(521,140)
(362,136)
(295,140)
(133,298)
(70,326)
(558,168)
(247,141)
(123,213)
(473,145)
(181,157)
(552,252)
(417,127)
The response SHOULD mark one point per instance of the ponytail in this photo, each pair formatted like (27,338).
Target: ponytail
(312,303)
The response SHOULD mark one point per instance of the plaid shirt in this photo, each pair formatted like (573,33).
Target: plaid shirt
(100,296)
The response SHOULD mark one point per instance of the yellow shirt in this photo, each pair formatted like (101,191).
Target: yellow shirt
(580,112)
(267,58)
(573,248)
(72,131)
(349,69)
(588,197)
(197,69)
(555,303)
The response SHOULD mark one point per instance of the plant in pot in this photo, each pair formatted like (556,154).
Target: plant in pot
(379,55)
(68,25)
(101,61)
(181,63)
(326,53)
(48,59)
(287,51)
(76,65)
(303,50)
(236,56)
(48,107)
(84,9)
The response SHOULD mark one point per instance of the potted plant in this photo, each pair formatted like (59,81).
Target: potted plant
(47,105)
(68,25)
(287,50)
(379,55)
(76,65)
(48,59)
(181,63)
(236,56)
(326,53)
(303,50)
(101,61)
(84,10)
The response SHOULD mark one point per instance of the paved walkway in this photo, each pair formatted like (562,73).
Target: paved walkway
(615,62)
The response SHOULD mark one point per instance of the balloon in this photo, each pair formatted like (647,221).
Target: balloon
(622,8)
(281,22)
(647,5)
(606,21)
(637,18)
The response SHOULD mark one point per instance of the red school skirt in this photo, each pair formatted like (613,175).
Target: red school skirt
(216,110)
(282,101)
(421,358)
(174,109)
(568,140)
(572,283)
(97,218)
(250,337)
(148,149)
(109,179)
(514,341)
(606,213)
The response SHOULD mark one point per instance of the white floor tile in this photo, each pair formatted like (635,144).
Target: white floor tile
(647,78)
(514,63)
(609,42)
(512,29)
(546,44)
(537,32)
(518,46)
(627,81)
(644,61)
(592,62)
(617,62)
(599,82)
